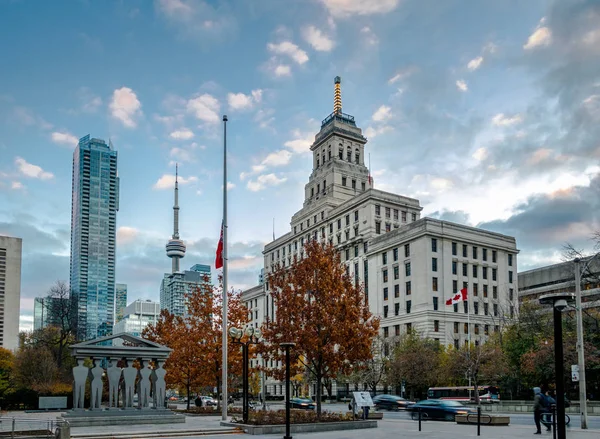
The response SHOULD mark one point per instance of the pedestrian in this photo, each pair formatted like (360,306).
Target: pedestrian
(539,406)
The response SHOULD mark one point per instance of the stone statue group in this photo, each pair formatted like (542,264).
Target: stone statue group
(150,384)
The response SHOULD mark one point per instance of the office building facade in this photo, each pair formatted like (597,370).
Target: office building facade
(136,316)
(10,290)
(93,236)
(120,301)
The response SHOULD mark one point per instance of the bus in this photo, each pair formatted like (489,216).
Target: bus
(487,394)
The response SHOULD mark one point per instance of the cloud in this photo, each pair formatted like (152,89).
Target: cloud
(205,107)
(167,181)
(181,155)
(32,171)
(402,74)
(182,134)
(348,8)
(461,85)
(90,103)
(65,138)
(369,36)
(301,142)
(125,106)
(480,155)
(230,185)
(382,114)
(373,131)
(25,116)
(317,39)
(542,36)
(127,235)
(16,185)
(277,158)
(241,101)
(475,63)
(289,49)
(502,121)
(265,118)
(282,70)
(263,181)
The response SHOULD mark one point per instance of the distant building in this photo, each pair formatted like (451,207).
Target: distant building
(10,291)
(204,270)
(136,316)
(261,276)
(120,301)
(45,311)
(174,288)
(93,236)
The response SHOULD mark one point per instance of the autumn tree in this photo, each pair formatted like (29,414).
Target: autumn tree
(7,361)
(36,369)
(417,361)
(321,310)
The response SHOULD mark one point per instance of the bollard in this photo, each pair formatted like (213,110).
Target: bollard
(554,421)
(479,421)
(419,418)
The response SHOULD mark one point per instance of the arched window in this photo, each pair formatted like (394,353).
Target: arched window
(357,156)
(329,152)
(323,157)
(317,161)
(349,154)
(341,152)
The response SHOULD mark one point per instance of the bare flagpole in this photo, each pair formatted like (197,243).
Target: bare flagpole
(225,264)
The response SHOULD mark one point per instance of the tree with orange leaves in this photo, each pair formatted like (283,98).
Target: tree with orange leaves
(319,308)
(196,360)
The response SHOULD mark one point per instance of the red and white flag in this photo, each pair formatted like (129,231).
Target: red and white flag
(458,297)
(219,256)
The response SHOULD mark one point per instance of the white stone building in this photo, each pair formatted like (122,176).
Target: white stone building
(409,266)
(10,291)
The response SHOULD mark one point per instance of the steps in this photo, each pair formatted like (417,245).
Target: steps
(155,434)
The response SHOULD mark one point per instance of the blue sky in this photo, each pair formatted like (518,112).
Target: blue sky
(488,112)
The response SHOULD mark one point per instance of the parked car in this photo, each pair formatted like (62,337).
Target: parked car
(391,402)
(439,409)
(301,403)
(208,401)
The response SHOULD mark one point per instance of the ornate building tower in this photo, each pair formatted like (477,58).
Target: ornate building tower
(175,246)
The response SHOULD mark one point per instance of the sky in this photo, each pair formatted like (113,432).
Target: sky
(487,112)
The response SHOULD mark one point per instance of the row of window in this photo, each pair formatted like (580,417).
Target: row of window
(340,155)
(436,328)
(475,253)
(408,305)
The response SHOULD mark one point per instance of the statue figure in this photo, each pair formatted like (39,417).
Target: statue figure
(114,377)
(96,387)
(129,375)
(80,374)
(153,379)
(160,385)
(144,384)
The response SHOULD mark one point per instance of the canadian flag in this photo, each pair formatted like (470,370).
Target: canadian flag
(458,297)
(219,256)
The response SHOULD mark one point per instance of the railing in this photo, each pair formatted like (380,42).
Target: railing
(11,427)
(342,117)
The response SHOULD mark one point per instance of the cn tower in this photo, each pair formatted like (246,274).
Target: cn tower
(175,246)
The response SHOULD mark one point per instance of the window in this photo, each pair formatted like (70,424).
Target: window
(347,253)
(408,288)
(378,227)
(387,212)
(353,184)
(407,269)
(496,328)
(377,209)
(474,252)
(455,307)
(386,332)
(435,303)
(396,214)
(436,326)
(408,304)
(454,251)
(384,258)
(466,328)
(494,292)
(434,283)
(454,286)
(409,327)
(455,344)
(484,272)
(454,267)
(495,309)
(339,223)
(475,271)
(486,329)
(414,216)
(511,293)
(343,181)
(494,256)
(312,191)
(323,215)
(403,216)
(484,254)
(356,215)
(494,274)
(395,252)
(385,293)
(476,328)
(512,312)
(486,309)
(510,258)
(464,250)
(356,251)
(396,272)
(349,155)
(388,227)
(330,227)
(363,186)
(510,277)
(365,247)
(406,250)
(465,268)
(347,220)
(396,309)
(385,311)
(433,264)
(466,306)
(397,330)
(475,290)
(355,231)
(385,275)
(475,307)
(485,291)
(397,290)
(433,245)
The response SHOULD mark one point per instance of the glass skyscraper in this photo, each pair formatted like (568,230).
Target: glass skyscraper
(121,301)
(93,236)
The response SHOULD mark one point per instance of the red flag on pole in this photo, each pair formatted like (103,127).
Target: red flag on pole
(458,297)
(219,256)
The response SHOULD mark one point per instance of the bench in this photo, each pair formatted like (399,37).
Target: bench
(486,419)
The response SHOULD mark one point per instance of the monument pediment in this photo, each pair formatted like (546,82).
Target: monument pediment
(122,345)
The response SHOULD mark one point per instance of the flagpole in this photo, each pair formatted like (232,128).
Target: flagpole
(469,331)
(225,263)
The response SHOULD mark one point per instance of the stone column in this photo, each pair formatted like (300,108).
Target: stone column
(144,384)
(80,375)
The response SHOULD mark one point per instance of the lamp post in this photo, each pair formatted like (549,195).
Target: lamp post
(287,346)
(559,302)
(253,336)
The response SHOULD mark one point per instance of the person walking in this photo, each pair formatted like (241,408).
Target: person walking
(539,405)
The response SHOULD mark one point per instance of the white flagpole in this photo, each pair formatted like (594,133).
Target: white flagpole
(469,331)
(224,325)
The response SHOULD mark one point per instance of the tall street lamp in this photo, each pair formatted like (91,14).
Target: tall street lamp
(287,346)
(253,336)
(559,302)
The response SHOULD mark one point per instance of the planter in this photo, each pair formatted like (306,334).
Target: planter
(302,428)
(486,419)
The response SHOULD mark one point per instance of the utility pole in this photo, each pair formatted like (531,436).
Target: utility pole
(580,346)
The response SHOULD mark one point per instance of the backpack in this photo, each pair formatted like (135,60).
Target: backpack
(544,400)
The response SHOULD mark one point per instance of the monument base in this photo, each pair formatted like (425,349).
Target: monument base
(94,418)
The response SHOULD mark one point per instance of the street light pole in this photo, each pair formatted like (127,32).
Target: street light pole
(253,337)
(287,347)
(580,346)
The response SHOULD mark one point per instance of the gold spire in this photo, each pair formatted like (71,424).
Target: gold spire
(337,97)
